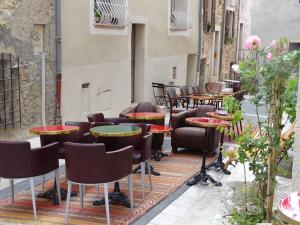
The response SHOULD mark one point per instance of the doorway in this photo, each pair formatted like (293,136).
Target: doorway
(216,54)
(137,62)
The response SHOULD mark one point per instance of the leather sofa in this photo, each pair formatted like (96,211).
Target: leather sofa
(191,137)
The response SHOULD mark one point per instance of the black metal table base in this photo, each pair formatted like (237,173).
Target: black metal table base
(219,166)
(157,155)
(153,172)
(116,197)
(203,177)
(52,194)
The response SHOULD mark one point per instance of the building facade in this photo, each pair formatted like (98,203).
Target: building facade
(113,50)
(27,29)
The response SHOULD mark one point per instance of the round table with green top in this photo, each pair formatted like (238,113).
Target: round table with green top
(115,131)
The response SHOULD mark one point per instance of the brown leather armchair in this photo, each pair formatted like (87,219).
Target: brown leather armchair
(188,136)
(144,107)
(102,121)
(108,167)
(18,160)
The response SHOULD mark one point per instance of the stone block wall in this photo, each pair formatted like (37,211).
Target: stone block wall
(28,27)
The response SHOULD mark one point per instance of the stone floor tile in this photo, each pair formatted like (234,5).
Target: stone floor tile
(163,219)
(175,210)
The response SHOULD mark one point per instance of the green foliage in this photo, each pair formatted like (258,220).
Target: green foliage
(290,99)
(245,217)
(269,80)
(2,23)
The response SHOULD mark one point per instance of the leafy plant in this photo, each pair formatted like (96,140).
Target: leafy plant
(269,79)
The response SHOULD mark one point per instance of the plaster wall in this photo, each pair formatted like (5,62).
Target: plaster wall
(275,18)
(105,59)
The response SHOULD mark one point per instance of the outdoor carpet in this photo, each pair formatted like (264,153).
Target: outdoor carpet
(175,170)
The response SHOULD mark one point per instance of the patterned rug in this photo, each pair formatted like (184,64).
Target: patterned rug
(175,170)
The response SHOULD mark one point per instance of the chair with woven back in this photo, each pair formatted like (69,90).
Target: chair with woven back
(175,104)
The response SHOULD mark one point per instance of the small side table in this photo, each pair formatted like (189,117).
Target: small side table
(158,132)
(206,123)
(289,208)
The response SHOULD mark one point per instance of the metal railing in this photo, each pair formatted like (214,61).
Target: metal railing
(244,54)
(112,13)
(179,16)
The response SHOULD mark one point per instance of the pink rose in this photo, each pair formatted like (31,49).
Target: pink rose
(269,56)
(253,42)
(273,44)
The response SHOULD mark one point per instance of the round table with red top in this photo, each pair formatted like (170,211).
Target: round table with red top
(157,131)
(289,208)
(145,116)
(206,123)
(54,130)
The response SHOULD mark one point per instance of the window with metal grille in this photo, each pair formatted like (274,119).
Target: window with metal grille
(180,18)
(111,13)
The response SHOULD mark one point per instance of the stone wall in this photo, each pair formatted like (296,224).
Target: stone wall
(29,28)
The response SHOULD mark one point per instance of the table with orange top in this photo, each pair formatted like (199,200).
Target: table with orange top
(206,123)
(158,131)
(54,130)
(150,118)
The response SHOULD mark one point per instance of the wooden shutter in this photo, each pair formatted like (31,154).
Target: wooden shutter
(213,15)
(205,15)
(227,26)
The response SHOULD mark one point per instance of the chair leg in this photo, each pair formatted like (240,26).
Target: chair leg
(58,185)
(12,191)
(81,195)
(149,174)
(43,183)
(130,188)
(106,203)
(68,201)
(143,179)
(33,197)
(98,191)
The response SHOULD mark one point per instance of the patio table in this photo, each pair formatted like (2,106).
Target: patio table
(54,130)
(117,196)
(206,123)
(147,117)
(218,164)
(289,208)
(157,131)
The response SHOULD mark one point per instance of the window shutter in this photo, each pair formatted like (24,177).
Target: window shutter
(205,15)
(227,26)
(213,15)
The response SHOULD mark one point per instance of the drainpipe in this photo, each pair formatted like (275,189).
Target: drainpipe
(57,118)
(222,39)
(238,33)
(199,51)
